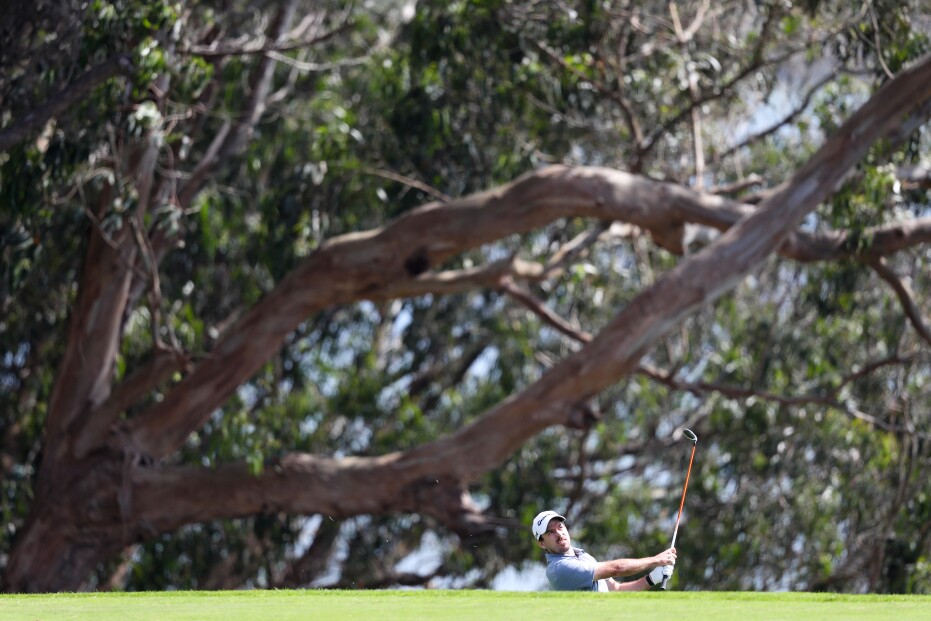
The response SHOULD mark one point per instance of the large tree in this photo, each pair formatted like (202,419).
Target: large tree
(228,296)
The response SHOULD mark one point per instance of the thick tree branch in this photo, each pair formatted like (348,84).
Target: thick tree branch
(616,351)
(105,287)
(458,281)
(883,241)
(163,499)
(155,371)
(366,265)
(83,379)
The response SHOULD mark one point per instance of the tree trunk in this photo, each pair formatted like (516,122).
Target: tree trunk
(74,525)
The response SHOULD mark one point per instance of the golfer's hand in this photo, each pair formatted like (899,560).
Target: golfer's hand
(656,575)
(666,557)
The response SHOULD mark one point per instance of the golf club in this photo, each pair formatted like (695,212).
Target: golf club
(689,434)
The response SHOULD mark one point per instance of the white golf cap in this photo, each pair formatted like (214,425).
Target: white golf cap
(542,521)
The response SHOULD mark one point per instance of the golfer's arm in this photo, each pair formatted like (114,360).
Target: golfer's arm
(624,567)
(635,585)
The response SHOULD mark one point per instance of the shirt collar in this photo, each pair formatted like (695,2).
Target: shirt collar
(578,552)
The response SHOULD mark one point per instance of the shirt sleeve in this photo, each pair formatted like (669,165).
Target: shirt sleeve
(571,573)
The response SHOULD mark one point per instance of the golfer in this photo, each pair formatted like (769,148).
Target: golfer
(572,569)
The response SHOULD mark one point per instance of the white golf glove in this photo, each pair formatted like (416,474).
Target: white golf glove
(656,575)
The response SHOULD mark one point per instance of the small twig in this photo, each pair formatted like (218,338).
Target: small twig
(262,47)
(316,67)
(410,182)
(904,293)
(788,118)
(736,187)
(625,106)
(573,249)
(828,400)
(694,92)
(879,49)
(527,299)
(756,62)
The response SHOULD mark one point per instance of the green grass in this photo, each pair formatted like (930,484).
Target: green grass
(458,605)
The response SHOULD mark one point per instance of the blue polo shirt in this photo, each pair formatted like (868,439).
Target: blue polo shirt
(573,573)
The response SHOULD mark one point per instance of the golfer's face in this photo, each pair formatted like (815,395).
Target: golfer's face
(556,537)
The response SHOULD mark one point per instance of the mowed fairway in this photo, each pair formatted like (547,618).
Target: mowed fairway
(457,605)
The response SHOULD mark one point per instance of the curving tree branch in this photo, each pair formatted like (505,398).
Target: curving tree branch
(370,265)
(367,265)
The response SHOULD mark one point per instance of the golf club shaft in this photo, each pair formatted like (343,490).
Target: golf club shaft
(685,488)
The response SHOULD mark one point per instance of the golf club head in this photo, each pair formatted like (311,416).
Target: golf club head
(690,435)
